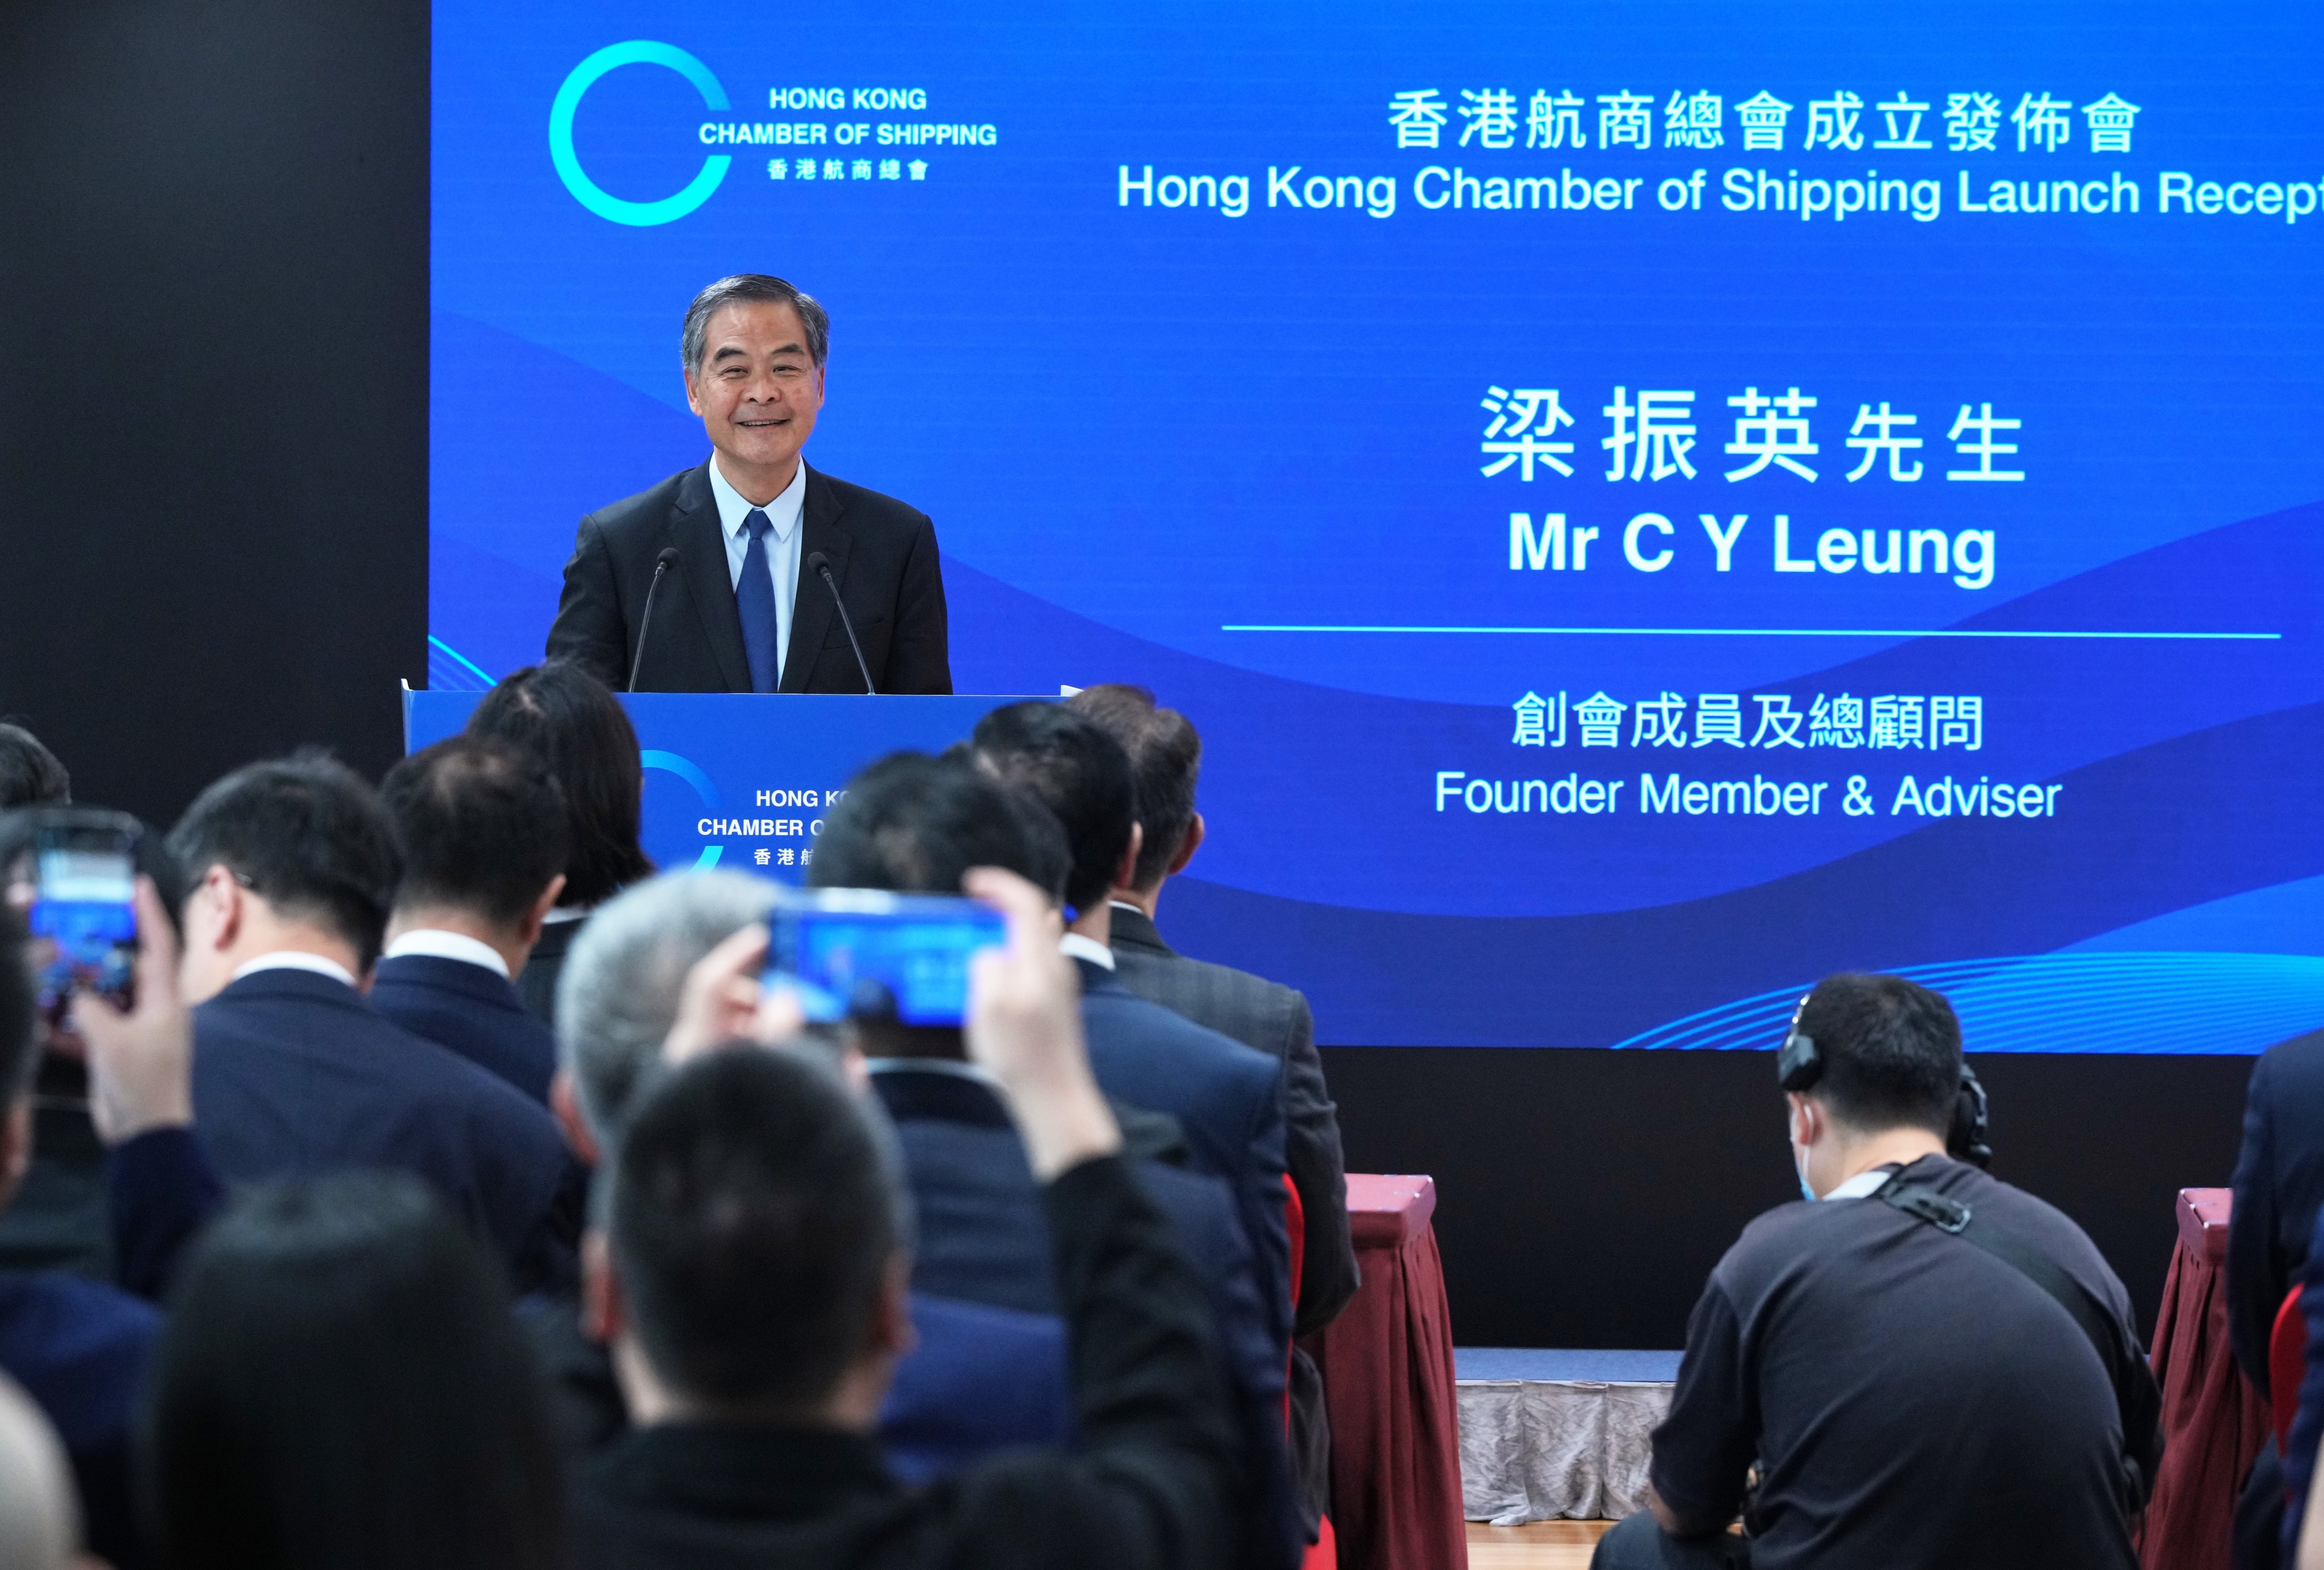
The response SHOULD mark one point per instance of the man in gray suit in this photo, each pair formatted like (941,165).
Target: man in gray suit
(1165,755)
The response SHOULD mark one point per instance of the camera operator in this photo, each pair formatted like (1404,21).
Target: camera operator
(1928,1366)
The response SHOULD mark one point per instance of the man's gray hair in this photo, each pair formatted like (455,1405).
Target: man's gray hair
(618,995)
(752,286)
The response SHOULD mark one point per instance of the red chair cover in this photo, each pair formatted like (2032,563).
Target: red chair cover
(1387,1378)
(2213,1422)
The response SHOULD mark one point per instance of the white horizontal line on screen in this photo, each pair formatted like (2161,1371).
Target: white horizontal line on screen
(1757,631)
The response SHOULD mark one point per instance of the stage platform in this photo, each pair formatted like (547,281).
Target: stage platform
(1551,1434)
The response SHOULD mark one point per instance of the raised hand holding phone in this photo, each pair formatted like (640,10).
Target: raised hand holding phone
(141,1058)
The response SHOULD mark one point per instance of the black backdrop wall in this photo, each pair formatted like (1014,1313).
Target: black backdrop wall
(213,546)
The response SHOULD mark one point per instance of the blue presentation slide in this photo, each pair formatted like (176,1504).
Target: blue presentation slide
(1646,508)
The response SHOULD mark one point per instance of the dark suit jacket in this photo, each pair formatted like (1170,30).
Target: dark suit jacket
(2279,1185)
(882,553)
(296,1073)
(1275,1019)
(1154,1481)
(977,1380)
(471,1011)
(1228,1098)
(981,1236)
(80,1348)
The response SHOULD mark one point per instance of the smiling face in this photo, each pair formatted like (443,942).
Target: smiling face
(758,392)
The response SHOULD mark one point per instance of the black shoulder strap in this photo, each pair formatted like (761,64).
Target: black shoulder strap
(2136,1396)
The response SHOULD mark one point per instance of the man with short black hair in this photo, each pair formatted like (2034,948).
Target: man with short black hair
(481,828)
(1928,1366)
(1228,1096)
(291,867)
(1165,757)
(756,1278)
(30,774)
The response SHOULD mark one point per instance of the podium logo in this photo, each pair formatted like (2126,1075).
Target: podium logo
(612,57)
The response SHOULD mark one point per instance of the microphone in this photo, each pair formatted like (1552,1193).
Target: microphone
(819,563)
(662,564)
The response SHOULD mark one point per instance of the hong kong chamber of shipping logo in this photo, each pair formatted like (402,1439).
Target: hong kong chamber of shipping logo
(612,57)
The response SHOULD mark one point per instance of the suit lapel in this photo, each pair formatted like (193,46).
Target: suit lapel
(811,612)
(701,542)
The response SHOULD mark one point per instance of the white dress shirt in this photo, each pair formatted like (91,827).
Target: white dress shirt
(437,944)
(1863,1185)
(1073,946)
(294,959)
(783,541)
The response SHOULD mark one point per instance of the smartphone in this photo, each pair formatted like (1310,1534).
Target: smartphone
(84,915)
(828,945)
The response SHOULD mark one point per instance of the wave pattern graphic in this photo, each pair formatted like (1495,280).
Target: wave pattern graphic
(2139,1002)
(449,670)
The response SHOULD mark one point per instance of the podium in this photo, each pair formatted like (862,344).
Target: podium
(744,779)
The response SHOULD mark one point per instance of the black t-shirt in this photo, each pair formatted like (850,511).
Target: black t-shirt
(1912,1400)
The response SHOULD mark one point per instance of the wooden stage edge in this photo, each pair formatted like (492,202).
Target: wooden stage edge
(1536,1546)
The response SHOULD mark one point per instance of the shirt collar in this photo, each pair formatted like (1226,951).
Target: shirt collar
(294,959)
(1864,1185)
(437,944)
(1073,946)
(783,512)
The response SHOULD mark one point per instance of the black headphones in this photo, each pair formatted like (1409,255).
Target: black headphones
(1799,1064)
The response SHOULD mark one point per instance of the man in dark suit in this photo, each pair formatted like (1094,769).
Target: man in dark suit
(1228,1098)
(912,824)
(1166,756)
(758,1319)
(483,831)
(742,609)
(290,866)
(982,1377)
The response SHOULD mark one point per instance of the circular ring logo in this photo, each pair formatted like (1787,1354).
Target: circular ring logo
(613,57)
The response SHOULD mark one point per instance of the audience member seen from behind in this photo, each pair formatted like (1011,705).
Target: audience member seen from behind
(756,1275)
(339,1385)
(2279,1193)
(1228,1096)
(573,723)
(291,867)
(1165,757)
(978,1378)
(79,1347)
(40,1520)
(914,824)
(1913,1396)
(484,840)
(30,774)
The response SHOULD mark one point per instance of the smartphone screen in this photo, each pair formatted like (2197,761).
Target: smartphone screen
(83,917)
(826,942)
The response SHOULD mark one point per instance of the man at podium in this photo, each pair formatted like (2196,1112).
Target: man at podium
(745,561)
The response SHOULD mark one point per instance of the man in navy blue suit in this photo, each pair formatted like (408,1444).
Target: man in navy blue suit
(914,824)
(1228,1096)
(290,867)
(482,826)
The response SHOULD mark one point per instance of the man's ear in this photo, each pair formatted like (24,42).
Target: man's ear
(224,896)
(1193,843)
(528,929)
(892,1335)
(604,1316)
(1125,875)
(1807,1119)
(565,1102)
(693,399)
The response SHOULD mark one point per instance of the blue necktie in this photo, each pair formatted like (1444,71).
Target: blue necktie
(754,596)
